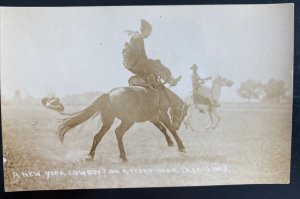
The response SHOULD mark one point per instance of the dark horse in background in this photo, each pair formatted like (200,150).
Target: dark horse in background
(131,104)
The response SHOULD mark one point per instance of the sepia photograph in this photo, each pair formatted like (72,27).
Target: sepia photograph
(146,96)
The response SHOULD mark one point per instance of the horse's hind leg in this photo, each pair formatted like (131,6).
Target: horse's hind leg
(120,131)
(164,131)
(211,120)
(218,119)
(107,122)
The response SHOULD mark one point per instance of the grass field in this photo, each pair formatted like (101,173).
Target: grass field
(251,145)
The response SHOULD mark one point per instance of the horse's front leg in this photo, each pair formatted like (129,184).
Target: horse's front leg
(166,121)
(120,131)
(164,131)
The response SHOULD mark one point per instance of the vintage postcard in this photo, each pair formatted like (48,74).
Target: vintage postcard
(146,96)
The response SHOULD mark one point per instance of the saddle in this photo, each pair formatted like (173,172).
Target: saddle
(147,81)
(199,99)
(151,82)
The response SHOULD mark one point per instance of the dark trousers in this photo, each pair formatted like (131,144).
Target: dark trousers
(150,66)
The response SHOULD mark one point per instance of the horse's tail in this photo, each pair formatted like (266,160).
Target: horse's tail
(99,106)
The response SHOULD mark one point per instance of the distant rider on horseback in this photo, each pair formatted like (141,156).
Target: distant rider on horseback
(136,60)
(199,93)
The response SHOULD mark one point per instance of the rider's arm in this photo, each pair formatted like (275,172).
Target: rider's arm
(208,78)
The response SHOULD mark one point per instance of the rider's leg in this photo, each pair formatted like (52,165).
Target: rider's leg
(157,68)
(202,97)
(213,102)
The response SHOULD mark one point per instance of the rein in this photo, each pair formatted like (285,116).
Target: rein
(218,82)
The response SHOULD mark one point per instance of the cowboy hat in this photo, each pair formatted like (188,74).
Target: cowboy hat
(145,25)
(194,67)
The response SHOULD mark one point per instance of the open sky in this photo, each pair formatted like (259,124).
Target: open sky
(71,50)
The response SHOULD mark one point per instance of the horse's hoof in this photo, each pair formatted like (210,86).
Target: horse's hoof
(182,150)
(89,158)
(124,159)
(170,144)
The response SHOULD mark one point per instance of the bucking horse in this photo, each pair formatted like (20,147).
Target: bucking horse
(131,104)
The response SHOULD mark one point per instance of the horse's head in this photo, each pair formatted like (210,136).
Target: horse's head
(178,114)
(223,81)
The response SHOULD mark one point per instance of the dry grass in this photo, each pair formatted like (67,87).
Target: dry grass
(252,143)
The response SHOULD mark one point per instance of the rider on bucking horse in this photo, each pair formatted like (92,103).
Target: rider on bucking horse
(148,71)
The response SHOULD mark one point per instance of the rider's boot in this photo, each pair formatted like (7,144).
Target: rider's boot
(173,81)
(214,103)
